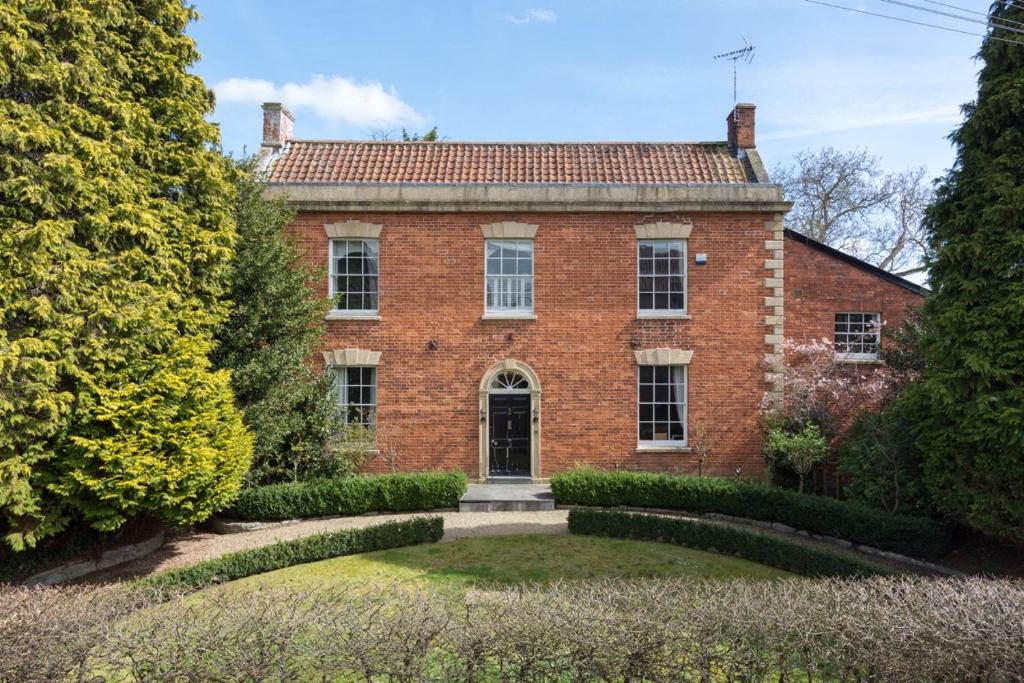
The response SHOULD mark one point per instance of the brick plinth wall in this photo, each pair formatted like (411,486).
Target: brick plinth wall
(581,345)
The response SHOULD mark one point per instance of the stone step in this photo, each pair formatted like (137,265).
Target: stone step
(505,497)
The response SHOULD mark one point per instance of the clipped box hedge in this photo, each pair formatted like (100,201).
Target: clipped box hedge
(913,536)
(299,551)
(350,496)
(750,545)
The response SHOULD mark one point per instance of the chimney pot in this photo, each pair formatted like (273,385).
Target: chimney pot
(740,124)
(278,124)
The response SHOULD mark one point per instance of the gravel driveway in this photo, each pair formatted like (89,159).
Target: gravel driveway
(188,547)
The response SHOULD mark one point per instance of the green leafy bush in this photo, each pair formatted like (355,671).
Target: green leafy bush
(350,496)
(914,536)
(751,545)
(800,450)
(300,551)
(881,463)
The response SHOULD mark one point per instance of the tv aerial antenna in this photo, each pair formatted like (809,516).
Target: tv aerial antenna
(745,53)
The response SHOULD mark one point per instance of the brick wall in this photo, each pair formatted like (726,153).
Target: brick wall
(818,286)
(581,344)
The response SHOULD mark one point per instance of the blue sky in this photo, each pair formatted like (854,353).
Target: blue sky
(594,70)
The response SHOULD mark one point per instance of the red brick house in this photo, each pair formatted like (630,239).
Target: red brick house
(514,309)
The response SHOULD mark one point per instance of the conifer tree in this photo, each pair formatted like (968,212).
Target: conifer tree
(971,400)
(274,327)
(116,236)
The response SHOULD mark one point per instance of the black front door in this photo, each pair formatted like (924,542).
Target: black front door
(510,435)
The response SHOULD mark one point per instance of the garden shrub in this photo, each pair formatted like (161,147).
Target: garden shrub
(751,545)
(914,536)
(300,551)
(881,463)
(799,450)
(881,629)
(350,496)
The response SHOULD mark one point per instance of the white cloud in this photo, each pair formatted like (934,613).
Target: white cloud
(334,98)
(533,16)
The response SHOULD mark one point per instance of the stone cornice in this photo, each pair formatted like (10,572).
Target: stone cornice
(529,197)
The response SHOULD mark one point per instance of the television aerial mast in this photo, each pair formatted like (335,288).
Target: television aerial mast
(746,53)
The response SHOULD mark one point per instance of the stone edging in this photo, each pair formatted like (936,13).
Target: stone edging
(222,525)
(779,527)
(109,558)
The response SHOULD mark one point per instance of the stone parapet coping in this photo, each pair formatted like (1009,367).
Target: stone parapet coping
(109,558)
(779,528)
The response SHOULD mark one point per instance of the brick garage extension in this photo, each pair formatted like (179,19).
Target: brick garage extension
(581,344)
(819,284)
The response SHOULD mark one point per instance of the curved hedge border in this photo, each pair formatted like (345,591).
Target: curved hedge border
(913,536)
(750,545)
(299,551)
(350,496)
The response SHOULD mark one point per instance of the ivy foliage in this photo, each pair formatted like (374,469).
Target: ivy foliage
(275,325)
(969,405)
(116,233)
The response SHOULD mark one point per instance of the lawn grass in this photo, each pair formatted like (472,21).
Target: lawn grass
(510,560)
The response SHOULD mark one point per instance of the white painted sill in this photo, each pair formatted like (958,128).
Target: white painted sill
(509,316)
(859,360)
(644,315)
(348,315)
(658,448)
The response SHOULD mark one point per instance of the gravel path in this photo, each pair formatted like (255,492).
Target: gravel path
(188,547)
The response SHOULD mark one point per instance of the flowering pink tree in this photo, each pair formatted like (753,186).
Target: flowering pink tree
(820,387)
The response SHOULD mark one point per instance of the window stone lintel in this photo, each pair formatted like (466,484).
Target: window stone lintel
(509,230)
(663,231)
(347,358)
(663,356)
(352,229)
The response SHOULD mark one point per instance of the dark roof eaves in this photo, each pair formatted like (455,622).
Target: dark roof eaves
(858,263)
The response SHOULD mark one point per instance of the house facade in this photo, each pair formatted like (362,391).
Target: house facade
(515,309)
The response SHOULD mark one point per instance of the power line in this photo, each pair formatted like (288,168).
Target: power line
(990,22)
(980,14)
(916,23)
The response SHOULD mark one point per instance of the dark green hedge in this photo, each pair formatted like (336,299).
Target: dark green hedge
(914,536)
(766,549)
(350,496)
(309,549)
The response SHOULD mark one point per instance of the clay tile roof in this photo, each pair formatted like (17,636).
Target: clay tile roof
(315,161)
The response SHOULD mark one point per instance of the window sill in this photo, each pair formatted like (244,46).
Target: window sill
(509,316)
(658,448)
(346,315)
(859,360)
(643,315)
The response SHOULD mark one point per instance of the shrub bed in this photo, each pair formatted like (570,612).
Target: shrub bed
(913,536)
(750,545)
(350,496)
(882,629)
(300,551)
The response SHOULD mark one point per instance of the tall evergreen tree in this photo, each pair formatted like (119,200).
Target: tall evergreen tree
(971,399)
(275,325)
(116,234)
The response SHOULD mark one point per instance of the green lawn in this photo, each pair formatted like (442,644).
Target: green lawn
(515,559)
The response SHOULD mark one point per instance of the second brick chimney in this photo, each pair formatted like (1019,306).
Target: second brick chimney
(278,123)
(741,127)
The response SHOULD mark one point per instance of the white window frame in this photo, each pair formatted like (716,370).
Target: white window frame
(331,275)
(340,388)
(857,357)
(664,312)
(653,444)
(511,312)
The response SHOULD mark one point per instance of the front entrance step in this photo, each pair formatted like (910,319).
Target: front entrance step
(506,497)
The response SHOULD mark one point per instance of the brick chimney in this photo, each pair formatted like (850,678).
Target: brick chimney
(278,123)
(741,127)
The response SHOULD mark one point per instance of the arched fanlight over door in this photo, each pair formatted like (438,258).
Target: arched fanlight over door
(510,382)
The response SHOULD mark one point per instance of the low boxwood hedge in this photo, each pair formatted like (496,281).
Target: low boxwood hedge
(914,536)
(350,496)
(299,551)
(763,548)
